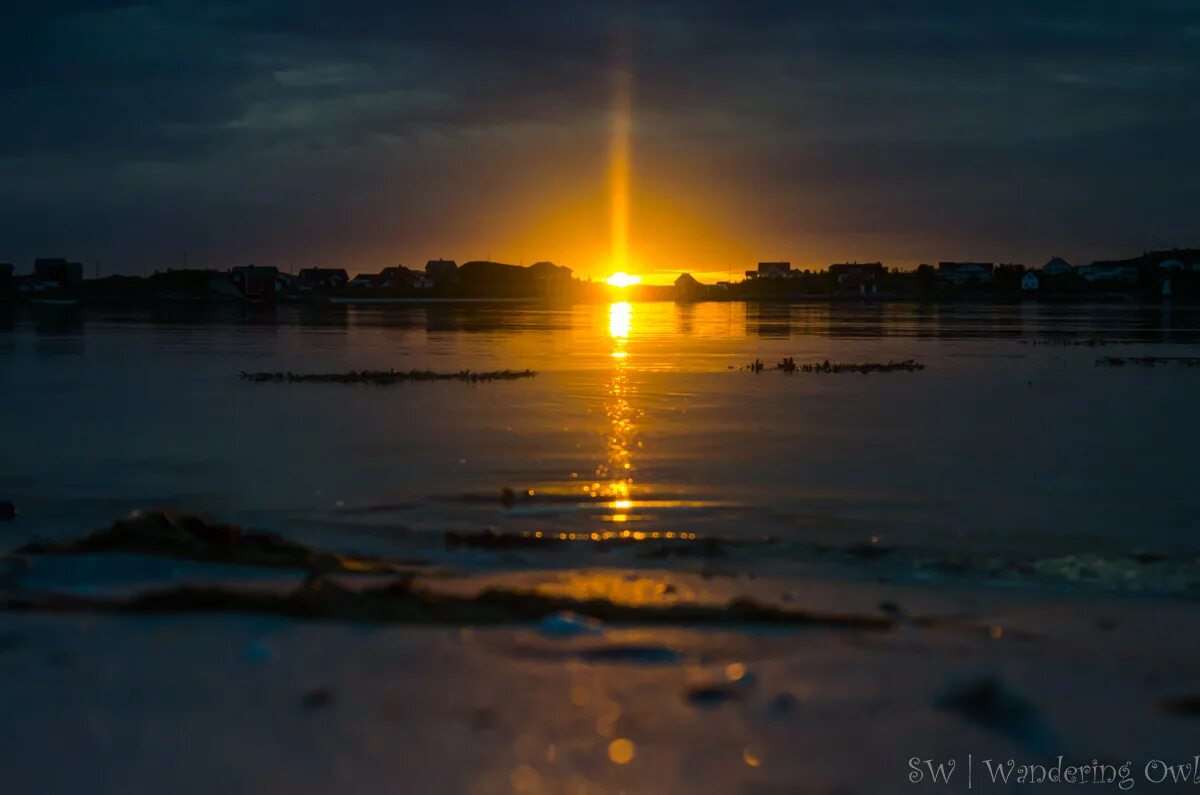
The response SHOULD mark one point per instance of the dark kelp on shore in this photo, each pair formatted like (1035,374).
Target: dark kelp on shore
(789,365)
(385,377)
(194,538)
(400,602)
(652,543)
(1148,361)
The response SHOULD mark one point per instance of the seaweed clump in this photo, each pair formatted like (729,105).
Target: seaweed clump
(385,377)
(399,602)
(665,543)
(789,365)
(194,538)
(1148,361)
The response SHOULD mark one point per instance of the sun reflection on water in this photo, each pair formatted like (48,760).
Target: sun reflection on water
(620,320)
(614,475)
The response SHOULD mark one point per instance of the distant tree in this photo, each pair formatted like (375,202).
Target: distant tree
(1008,277)
(926,278)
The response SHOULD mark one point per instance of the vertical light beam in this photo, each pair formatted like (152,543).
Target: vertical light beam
(619,161)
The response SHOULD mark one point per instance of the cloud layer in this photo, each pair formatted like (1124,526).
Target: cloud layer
(367,133)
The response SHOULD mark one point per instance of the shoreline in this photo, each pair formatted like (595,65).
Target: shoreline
(1103,299)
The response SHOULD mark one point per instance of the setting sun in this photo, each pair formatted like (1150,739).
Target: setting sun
(622,279)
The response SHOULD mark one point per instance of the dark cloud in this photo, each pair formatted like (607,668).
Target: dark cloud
(277,130)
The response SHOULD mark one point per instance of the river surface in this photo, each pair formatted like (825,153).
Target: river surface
(641,418)
(991,558)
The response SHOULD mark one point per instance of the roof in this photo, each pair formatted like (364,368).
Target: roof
(950,266)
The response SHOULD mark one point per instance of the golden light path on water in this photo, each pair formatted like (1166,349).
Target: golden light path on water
(614,475)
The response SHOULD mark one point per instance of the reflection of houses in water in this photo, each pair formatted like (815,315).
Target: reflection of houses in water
(781,320)
(685,317)
(769,319)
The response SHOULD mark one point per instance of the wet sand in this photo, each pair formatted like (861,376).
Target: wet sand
(236,699)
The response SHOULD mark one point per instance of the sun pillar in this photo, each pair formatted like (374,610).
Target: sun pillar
(621,127)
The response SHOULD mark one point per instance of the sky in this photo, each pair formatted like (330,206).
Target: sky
(368,133)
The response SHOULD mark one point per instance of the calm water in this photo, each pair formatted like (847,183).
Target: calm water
(639,419)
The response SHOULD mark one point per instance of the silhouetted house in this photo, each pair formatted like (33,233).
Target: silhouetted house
(687,287)
(862,277)
(1056,267)
(60,271)
(317,279)
(550,279)
(185,282)
(771,270)
(1124,272)
(963,274)
(395,278)
(847,270)
(1177,259)
(442,270)
(1030,282)
(6,277)
(256,281)
(483,278)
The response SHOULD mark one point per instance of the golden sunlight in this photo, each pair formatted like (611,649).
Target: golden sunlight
(622,279)
(620,319)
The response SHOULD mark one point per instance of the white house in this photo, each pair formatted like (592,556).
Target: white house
(1029,282)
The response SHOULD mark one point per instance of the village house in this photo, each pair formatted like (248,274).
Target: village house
(1115,271)
(771,270)
(310,279)
(57,270)
(687,287)
(256,281)
(962,274)
(1057,266)
(862,277)
(442,270)
(394,278)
